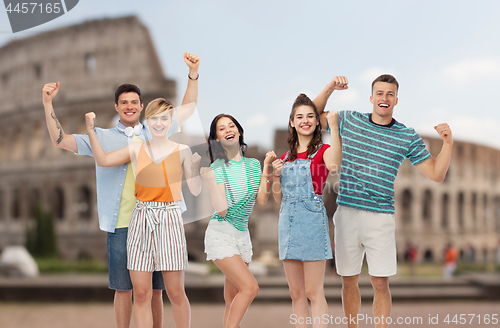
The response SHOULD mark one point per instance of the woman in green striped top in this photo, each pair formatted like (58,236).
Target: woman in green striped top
(235,183)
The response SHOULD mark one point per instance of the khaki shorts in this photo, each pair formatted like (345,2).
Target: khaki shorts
(358,232)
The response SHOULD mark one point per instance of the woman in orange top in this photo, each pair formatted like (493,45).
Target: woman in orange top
(156,239)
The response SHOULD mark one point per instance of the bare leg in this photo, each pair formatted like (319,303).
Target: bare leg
(237,272)
(143,291)
(294,271)
(314,276)
(351,299)
(230,292)
(174,285)
(157,308)
(381,300)
(123,308)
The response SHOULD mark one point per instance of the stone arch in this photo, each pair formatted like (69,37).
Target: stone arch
(57,203)
(2,204)
(83,204)
(34,200)
(460,210)
(445,211)
(428,256)
(427,206)
(406,202)
(15,208)
(497,213)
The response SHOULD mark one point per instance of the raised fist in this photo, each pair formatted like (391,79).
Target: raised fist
(444,132)
(195,160)
(332,118)
(277,167)
(192,61)
(207,173)
(50,91)
(89,120)
(338,83)
(270,157)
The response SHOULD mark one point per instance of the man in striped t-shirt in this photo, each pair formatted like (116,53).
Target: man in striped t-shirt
(373,147)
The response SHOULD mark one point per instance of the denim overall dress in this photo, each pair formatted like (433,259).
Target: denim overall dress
(303,223)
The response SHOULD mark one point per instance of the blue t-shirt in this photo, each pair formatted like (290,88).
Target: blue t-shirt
(371,157)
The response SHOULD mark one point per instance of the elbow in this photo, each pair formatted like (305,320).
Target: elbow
(333,168)
(262,201)
(222,213)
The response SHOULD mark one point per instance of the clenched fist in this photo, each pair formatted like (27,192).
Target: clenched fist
(50,91)
(207,173)
(270,156)
(89,120)
(444,132)
(192,61)
(338,83)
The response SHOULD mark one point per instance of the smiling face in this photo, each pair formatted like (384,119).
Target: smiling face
(384,98)
(160,123)
(228,133)
(304,120)
(129,108)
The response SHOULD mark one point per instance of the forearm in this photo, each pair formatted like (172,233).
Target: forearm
(219,201)
(276,188)
(321,100)
(57,135)
(264,186)
(442,162)
(191,95)
(100,155)
(335,153)
(194,184)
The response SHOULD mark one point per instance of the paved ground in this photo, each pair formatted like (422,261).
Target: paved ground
(100,315)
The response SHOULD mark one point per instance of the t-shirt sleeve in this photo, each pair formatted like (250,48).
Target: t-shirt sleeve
(321,152)
(417,153)
(83,144)
(218,168)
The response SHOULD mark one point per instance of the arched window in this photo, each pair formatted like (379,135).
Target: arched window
(428,202)
(406,200)
(2,204)
(428,256)
(16,204)
(90,62)
(34,200)
(83,203)
(461,206)
(57,203)
(445,214)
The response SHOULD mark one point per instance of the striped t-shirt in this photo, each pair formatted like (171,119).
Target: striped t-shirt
(242,181)
(371,157)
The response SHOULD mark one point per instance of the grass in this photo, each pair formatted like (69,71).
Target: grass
(56,265)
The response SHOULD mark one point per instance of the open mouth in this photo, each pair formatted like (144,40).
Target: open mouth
(383,105)
(129,113)
(305,126)
(159,129)
(230,137)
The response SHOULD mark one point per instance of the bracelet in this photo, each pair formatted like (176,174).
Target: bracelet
(192,78)
(276,176)
(266,178)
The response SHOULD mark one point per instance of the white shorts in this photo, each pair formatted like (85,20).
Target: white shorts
(223,240)
(358,232)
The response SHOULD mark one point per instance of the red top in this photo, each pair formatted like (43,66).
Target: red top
(319,172)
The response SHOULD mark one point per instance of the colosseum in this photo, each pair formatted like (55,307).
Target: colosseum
(89,61)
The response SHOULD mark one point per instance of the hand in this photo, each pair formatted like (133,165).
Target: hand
(444,132)
(332,118)
(277,167)
(207,173)
(270,156)
(89,120)
(192,61)
(50,91)
(338,83)
(195,161)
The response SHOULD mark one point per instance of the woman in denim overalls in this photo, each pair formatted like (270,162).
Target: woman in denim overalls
(304,240)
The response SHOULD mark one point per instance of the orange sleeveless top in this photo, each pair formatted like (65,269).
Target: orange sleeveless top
(158,182)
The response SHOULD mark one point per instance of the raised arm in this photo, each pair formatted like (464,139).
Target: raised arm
(191,164)
(337,83)
(117,157)
(276,187)
(57,135)
(217,191)
(265,186)
(333,155)
(190,99)
(435,169)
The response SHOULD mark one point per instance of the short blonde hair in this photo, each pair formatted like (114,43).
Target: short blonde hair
(158,106)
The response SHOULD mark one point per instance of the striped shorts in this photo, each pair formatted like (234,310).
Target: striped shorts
(156,240)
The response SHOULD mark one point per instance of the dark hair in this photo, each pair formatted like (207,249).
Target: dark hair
(215,149)
(293,139)
(126,88)
(387,79)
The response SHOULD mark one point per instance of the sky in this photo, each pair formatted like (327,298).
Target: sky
(257,56)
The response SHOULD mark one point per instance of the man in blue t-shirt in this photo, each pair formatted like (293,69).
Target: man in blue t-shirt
(374,145)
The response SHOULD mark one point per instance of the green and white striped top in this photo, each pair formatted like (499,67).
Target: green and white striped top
(242,180)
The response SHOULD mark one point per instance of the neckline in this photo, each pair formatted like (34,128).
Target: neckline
(382,125)
(164,158)
(242,158)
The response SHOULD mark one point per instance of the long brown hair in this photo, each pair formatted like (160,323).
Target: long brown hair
(215,149)
(293,139)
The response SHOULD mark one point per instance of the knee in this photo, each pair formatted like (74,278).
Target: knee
(380,284)
(350,281)
(142,295)
(252,290)
(297,293)
(177,295)
(314,294)
(157,295)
